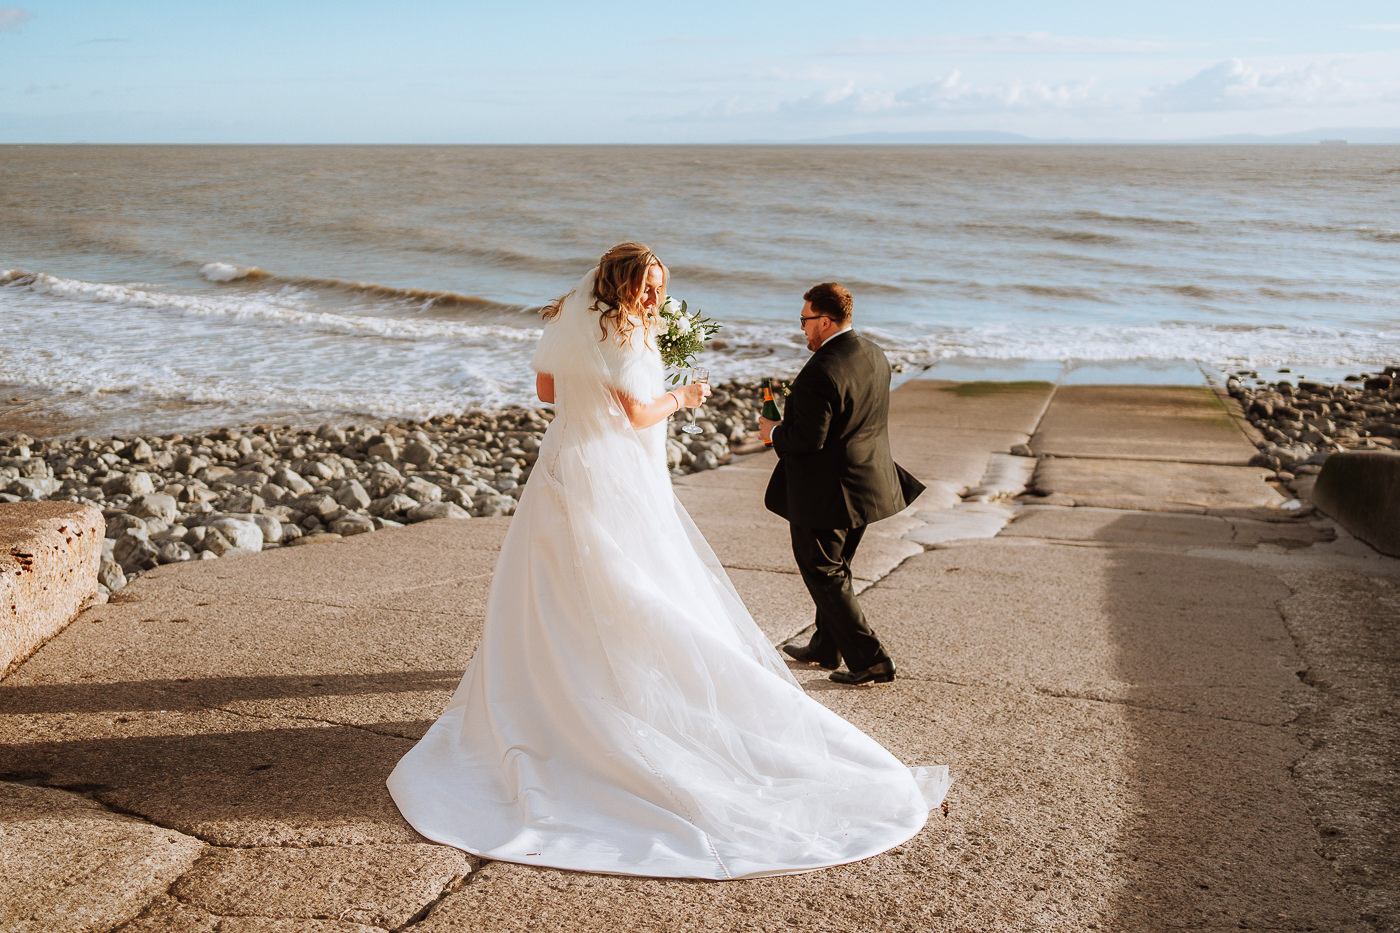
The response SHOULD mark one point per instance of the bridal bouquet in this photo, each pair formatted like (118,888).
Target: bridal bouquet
(682,335)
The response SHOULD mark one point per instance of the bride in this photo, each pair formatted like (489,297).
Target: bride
(623,712)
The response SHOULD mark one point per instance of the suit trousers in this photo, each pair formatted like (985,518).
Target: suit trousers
(824,558)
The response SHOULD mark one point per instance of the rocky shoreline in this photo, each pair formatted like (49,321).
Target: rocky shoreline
(173,497)
(1306,423)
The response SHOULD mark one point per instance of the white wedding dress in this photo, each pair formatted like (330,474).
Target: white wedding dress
(623,712)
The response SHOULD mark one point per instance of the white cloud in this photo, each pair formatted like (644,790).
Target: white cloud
(949,94)
(13,17)
(1006,43)
(1234,85)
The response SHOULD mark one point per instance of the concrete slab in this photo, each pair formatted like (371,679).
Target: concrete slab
(744,535)
(379,570)
(778,602)
(1141,422)
(945,431)
(381,886)
(166,914)
(747,476)
(967,520)
(49,557)
(1119,625)
(1077,815)
(1155,486)
(1346,625)
(70,864)
(1361,490)
(225,778)
(1159,529)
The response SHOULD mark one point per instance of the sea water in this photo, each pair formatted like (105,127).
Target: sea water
(165,288)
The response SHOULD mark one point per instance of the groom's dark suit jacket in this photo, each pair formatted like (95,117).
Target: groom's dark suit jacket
(834,464)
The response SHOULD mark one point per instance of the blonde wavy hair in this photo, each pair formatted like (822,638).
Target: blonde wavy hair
(617,291)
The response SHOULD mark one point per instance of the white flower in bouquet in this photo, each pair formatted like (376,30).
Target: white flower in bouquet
(682,335)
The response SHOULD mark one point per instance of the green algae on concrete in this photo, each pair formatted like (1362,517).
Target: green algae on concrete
(985,389)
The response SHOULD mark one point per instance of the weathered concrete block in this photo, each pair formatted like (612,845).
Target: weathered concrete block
(71,866)
(49,556)
(1361,490)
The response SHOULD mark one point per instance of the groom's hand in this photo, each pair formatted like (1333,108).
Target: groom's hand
(765,429)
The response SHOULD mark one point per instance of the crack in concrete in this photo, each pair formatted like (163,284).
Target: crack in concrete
(329,605)
(1086,698)
(301,718)
(95,796)
(453,886)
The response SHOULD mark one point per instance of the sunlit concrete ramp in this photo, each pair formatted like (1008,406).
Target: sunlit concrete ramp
(1159,448)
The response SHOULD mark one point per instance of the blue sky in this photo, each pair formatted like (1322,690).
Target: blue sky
(133,71)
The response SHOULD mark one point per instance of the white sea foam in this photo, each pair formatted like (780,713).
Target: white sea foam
(282,308)
(225,272)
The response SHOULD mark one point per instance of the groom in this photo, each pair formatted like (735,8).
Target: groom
(834,476)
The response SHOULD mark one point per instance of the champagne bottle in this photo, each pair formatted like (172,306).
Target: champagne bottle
(770,407)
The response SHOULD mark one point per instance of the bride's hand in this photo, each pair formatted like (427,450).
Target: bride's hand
(693,395)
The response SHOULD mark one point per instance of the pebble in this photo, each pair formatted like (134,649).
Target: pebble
(238,490)
(1304,424)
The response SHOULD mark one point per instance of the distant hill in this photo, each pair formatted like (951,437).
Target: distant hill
(1360,135)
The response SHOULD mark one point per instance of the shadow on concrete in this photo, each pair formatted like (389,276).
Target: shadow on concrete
(187,693)
(1216,833)
(276,770)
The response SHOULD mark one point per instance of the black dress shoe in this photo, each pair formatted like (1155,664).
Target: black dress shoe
(807,656)
(881,672)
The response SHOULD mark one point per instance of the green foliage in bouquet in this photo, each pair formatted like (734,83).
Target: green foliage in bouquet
(682,336)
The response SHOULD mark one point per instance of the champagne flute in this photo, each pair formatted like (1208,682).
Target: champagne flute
(697,374)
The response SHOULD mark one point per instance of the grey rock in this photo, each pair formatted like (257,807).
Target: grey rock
(394,504)
(314,469)
(273,492)
(317,538)
(215,542)
(331,434)
(241,534)
(382,447)
(353,523)
(269,525)
(383,480)
(214,474)
(420,454)
(421,490)
(317,505)
(245,502)
(353,495)
(459,495)
(134,551)
(188,464)
(247,479)
(433,510)
(138,450)
(32,488)
(111,575)
(130,484)
(291,480)
(155,505)
(174,552)
(493,505)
